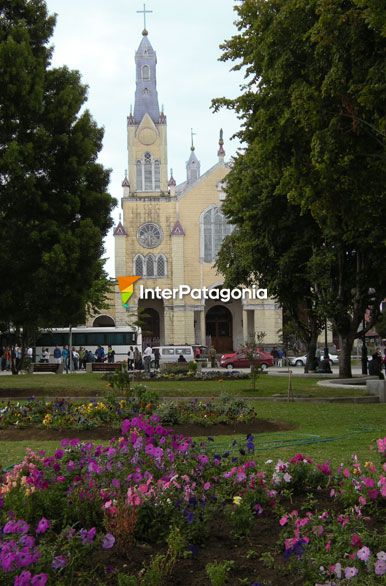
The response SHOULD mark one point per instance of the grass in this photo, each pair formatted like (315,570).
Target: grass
(323,431)
(94,385)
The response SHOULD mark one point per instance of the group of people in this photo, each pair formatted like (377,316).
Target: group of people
(80,357)
(136,360)
(10,357)
(279,355)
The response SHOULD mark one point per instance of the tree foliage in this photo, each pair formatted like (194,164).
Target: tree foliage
(313,113)
(54,205)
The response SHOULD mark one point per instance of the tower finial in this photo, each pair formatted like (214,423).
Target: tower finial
(144,12)
(221,152)
(191,136)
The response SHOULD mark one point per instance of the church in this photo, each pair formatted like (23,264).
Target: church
(169,234)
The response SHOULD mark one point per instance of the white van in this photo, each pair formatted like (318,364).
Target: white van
(172,353)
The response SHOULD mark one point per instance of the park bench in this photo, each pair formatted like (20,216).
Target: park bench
(47,367)
(102,366)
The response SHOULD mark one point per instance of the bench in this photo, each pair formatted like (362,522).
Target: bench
(104,366)
(47,367)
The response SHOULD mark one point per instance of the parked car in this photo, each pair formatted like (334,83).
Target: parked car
(172,353)
(240,360)
(301,360)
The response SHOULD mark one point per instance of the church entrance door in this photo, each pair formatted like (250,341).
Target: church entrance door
(150,326)
(219,328)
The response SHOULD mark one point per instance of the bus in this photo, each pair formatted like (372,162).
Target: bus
(120,338)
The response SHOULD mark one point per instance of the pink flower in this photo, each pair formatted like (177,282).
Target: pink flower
(43,525)
(356,540)
(207,485)
(363,554)
(39,580)
(283,521)
(350,572)
(380,567)
(346,473)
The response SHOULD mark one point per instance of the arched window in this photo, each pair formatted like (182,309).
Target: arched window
(157,179)
(150,266)
(145,72)
(139,176)
(214,228)
(148,174)
(138,265)
(161,266)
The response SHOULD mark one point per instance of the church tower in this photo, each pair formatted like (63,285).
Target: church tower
(146,128)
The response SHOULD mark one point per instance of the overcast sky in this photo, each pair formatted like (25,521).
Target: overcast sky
(100,37)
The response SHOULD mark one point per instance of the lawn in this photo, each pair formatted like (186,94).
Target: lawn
(323,431)
(94,385)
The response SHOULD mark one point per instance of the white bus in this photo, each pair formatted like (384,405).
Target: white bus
(120,338)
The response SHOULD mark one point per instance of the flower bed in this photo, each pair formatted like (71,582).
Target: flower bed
(150,507)
(69,414)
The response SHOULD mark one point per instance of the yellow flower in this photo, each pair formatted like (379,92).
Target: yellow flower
(47,419)
(237,500)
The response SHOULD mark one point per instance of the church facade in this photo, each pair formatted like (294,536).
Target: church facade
(169,235)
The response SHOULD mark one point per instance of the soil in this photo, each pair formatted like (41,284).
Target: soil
(106,432)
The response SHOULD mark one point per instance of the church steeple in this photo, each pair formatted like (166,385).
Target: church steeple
(146,97)
(193,164)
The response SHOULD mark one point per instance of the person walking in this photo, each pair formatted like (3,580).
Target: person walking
(147,358)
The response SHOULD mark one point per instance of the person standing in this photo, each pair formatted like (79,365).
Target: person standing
(147,358)
(66,358)
(137,359)
(130,358)
(57,355)
(157,357)
(46,356)
(212,356)
(100,354)
(110,354)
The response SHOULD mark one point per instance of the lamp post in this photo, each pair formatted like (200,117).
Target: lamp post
(364,348)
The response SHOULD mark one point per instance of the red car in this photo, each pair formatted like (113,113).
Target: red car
(239,360)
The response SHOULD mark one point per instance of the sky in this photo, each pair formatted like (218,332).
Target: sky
(99,38)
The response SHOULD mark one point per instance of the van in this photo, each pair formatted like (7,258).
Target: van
(172,353)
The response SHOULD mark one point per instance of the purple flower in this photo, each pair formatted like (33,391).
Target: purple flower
(108,541)
(39,580)
(59,454)
(16,527)
(43,525)
(87,536)
(23,579)
(59,562)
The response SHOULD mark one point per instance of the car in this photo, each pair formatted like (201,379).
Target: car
(301,360)
(240,360)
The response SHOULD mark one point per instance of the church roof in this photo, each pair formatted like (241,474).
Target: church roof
(146,97)
(119,230)
(177,229)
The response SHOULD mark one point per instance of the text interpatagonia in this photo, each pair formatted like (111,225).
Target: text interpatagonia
(224,295)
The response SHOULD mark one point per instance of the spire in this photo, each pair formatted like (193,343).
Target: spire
(146,97)
(172,181)
(125,182)
(193,164)
(221,152)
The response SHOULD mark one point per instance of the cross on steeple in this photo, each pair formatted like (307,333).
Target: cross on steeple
(144,12)
(191,135)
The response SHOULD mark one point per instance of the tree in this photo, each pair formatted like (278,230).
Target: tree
(54,205)
(313,113)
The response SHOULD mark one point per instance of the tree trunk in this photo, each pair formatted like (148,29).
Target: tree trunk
(346,344)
